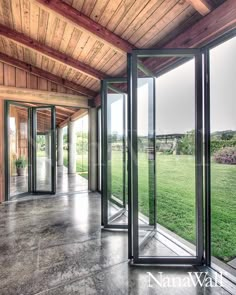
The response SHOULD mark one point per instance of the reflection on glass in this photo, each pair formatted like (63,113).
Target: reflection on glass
(116,156)
(175,143)
(18,149)
(43,149)
(99,151)
(82,146)
(175,232)
(223,153)
(145,159)
(65,146)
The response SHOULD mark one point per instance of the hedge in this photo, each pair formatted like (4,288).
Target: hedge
(218,144)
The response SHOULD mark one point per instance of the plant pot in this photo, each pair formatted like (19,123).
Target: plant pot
(20,171)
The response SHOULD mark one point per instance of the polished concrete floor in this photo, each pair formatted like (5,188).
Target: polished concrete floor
(55,245)
(65,182)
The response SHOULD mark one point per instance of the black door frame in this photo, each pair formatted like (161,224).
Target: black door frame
(105,173)
(31,147)
(7,104)
(211,267)
(133,209)
(34,150)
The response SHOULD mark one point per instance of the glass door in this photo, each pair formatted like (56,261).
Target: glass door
(43,150)
(166,157)
(114,158)
(17,161)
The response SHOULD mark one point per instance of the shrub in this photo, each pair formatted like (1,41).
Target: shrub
(186,145)
(226,155)
(219,144)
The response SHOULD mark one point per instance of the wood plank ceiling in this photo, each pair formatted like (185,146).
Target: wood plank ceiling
(63,114)
(140,23)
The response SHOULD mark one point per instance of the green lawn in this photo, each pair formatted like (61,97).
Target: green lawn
(81,164)
(176,198)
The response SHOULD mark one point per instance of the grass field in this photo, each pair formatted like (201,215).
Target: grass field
(176,198)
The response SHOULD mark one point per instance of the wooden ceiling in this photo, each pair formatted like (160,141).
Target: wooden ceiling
(84,41)
(63,114)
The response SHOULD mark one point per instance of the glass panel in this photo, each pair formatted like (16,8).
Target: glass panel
(223,154)
(43,149)
(82,147)
(146,162)
(99,151)
(18,149)
(116,152)
(171,232)
(65,147)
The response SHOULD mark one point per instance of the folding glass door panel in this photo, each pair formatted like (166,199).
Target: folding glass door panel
(166,157)
(99,129)
(220,138)
(114,158)
(30,149)
(44,151)
(17,149)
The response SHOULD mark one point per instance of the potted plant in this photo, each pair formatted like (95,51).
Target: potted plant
(20,166)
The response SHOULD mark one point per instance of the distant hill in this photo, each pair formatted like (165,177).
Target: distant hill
(226,134)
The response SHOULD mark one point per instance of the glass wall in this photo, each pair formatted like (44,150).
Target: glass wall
(175,152)
(167,170)
(223,154)
(82,146)
(116,120)
(99,150)
(114,153)
(18,149)
(65,146)
(146,162)
(43,149)
(167,203)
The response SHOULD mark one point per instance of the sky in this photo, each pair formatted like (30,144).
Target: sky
(175,94)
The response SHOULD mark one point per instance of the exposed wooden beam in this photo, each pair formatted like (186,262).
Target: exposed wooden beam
(202,6)
(78,114)
(219,21)
(66,110)
(83,21)
(59,115)
(39,96)
(46,75)
(51,52)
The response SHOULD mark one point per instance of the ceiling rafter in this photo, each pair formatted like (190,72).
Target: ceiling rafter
(50,52)
(65,110)
(202,6)
(83,21)
(59,114)
(78,114)
(46,75)
(219,21)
